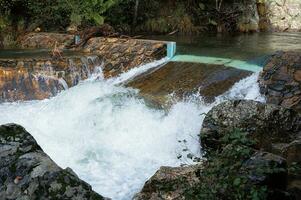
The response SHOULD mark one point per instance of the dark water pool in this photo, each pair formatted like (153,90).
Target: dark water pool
(33,53)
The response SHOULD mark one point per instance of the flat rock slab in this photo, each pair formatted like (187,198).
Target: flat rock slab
(183,79)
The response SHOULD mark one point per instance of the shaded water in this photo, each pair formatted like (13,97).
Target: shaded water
(33,53)
(239,47)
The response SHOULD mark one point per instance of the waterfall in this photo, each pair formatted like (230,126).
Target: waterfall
(109,136)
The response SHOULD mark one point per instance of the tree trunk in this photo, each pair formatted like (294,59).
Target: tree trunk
(136,13)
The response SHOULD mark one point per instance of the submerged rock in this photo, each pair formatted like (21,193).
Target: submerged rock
(280,80)
(26,172)
(184,79)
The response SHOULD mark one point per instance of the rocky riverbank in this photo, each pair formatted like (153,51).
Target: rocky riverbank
(26,172)
(252,149)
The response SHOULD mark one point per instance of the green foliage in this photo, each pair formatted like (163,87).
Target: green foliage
(56,14)
(88,11)
(224,176)
(169,20)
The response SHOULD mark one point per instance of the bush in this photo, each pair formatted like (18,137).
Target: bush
(56,14)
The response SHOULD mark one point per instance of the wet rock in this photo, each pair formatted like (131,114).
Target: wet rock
(267,124)
(121,55)
(40,78)
(280,80)
(170,183)
(26,172)
(184,79)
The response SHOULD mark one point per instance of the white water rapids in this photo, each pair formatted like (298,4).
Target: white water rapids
(109,136)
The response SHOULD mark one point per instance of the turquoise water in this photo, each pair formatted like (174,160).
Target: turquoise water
(241,47)
(244,51)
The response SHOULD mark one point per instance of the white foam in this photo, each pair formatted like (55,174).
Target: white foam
(109,136)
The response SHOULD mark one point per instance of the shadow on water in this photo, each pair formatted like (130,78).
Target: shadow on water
(253,48)
(33,53)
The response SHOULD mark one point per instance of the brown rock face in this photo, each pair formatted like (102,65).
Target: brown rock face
(121,55)
(45,40)
(187,78)
(30,79)
(39,78)
(280,80)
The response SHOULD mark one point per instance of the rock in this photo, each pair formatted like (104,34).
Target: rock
(184,79)
(170,183)
(42,40)
(39,78)
(279,15)
(294,188)
(179,183)
(281,78)
(260,169)
(292,151)
(26,172)
(121,55)
(72,29)
(267,124)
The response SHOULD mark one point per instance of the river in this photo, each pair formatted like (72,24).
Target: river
(112,138)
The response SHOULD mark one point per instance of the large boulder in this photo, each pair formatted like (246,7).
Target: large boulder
(183,79)
(281,78)
(190,182)
(267,124)
(26,172)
